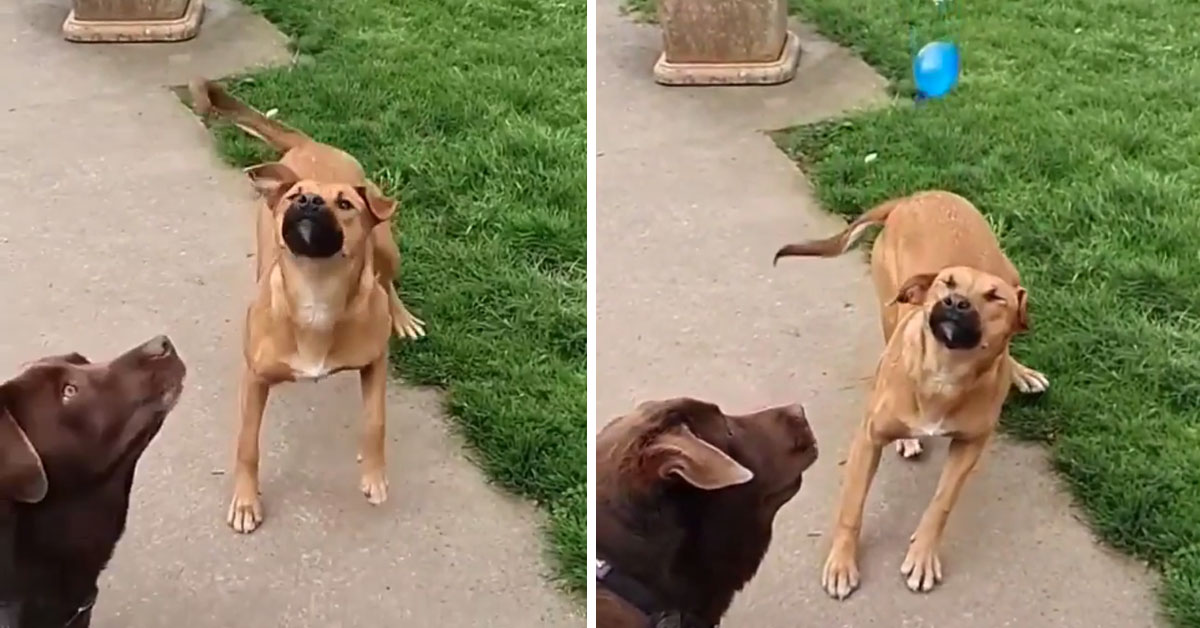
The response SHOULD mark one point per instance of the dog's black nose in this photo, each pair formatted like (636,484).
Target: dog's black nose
(158,347)
(956,301)
(310,201)
(801,429)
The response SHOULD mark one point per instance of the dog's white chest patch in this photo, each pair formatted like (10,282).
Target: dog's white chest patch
(932,428)
(309,370)
(311,361)
(313,303)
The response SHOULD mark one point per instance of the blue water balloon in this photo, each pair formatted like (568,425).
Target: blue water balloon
(935,69)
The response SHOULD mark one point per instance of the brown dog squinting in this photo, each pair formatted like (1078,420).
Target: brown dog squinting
(951,302)
(325,303)
(686,497)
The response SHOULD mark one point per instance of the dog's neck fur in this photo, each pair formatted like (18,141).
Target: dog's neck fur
(934,371)
(321,292)
(694,553)
(59,563)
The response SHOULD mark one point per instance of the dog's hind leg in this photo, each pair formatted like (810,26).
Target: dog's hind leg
(909,448)
(405,324)
(1026,379)
(387,264)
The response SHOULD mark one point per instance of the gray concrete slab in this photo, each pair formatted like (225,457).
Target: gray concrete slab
(122,223)
(692,202)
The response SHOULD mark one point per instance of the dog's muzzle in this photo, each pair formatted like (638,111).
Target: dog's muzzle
(310,228)
(955,323)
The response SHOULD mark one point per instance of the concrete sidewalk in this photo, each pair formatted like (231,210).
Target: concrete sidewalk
(693,201)
(120,223)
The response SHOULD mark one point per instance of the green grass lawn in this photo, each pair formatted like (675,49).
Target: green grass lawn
(1075,129)
(474,114)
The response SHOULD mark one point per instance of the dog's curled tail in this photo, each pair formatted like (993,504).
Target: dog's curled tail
(840,243)
(209,98)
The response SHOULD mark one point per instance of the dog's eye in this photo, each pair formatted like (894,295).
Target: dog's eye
(992,295)
(344,204)
(950,283)
(69,391)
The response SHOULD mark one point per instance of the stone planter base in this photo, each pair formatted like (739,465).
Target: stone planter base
(779,71)
(179,29)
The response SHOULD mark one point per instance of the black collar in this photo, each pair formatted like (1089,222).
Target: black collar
(48,615)
(642,598)
(83,614)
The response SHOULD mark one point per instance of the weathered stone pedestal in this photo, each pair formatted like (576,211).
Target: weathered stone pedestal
(133,20)
(726,42)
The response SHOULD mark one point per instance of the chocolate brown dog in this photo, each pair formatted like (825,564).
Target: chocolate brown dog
(71,435)
(686,497)
(951,303)
(326,303)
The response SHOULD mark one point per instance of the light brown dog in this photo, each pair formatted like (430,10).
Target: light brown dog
(951,302)
(325,302)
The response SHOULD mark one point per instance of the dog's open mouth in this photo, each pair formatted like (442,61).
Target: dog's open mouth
(311,234)
(955,331)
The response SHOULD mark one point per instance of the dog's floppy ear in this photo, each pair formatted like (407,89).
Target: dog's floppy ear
(382,207)
(913,290)
(74,357)
(1022,311)
(679,452)
(22,477)
(70,358)
(272,180)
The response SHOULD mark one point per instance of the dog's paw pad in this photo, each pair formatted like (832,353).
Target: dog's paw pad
(909,448)
(840,576)
(922,568)
(374,486)
(415,327)
(408,326)
(245,515)
(1029,381)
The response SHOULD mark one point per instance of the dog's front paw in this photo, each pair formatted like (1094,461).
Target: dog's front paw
(374,485)
(922,567)
(245,511)
(909,448)
(407,325)
(1027,380)
(840,576)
